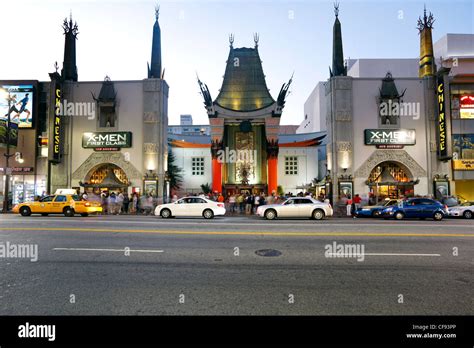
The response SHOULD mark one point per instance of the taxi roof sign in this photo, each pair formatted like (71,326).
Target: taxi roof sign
(65,192)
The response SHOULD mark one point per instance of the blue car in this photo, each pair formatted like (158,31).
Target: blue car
(375,210)
(421,208)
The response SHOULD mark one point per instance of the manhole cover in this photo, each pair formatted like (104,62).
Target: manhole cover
(268,252)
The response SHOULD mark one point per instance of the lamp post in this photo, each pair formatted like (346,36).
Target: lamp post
(7,157)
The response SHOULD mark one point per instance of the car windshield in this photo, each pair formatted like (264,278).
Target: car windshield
(75,198)
(451,202)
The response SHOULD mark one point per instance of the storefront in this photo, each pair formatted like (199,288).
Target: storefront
(462,110)
(24,185)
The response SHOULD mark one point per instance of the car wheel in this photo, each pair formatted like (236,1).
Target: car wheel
(467,214)
(68,211)
(84,214)
(374,213)
(165,213)
(208,214)
(25,211)
(318,214)
(399,215)
(438,216)
(44,214)
(270,214)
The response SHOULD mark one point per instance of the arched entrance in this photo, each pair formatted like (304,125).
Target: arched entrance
(390,179)
(106,177)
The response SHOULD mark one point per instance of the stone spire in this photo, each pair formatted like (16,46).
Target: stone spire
(338,67)
(154,69)
(69,70)
(427,63)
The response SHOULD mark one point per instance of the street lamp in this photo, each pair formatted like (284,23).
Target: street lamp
(7,154)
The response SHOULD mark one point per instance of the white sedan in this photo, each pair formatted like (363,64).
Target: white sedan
(303,207)
(191,206)
(466,210)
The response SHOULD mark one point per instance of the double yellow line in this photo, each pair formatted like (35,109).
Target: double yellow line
(244,233)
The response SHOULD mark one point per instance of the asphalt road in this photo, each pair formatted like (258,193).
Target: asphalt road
(84,267)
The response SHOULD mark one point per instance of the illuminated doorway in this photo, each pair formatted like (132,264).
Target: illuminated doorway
(390,180)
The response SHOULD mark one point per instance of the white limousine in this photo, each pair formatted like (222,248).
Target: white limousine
(302,207)
(191,206)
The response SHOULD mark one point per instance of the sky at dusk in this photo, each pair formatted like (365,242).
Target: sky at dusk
(295,36)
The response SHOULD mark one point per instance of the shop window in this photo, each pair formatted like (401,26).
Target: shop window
(291,165)
(197,166)
(463,146)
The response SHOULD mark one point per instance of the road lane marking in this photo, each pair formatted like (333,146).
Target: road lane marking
(246,233)
(121,250)
(390,254)
(250,221)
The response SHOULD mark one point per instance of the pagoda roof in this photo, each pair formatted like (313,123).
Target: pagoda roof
(107,91)
(244,87)
(389,89)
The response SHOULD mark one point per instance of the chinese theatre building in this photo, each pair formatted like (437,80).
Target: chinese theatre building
(383,125)
(106,135)
(245,125)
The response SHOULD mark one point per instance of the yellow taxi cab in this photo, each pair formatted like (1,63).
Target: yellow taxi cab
(65,202)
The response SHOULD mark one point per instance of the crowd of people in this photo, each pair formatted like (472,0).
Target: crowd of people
(116,203)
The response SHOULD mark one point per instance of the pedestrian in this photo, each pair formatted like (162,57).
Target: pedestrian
(232,201)
(111,203)
(240,202)
(126,203)
(220,198)
(104,201)
(119,203)
(349,206)
(257,202)
(248,204)
(357,202)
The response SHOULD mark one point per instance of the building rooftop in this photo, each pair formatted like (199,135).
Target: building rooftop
(244,87)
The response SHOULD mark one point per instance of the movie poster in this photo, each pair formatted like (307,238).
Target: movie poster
(17,100)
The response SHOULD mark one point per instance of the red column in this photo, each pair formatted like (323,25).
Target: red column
(272,174)
(216,175)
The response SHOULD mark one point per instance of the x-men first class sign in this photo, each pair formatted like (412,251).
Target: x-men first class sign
(106,140)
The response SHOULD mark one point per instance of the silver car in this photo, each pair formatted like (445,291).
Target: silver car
(302,207)
(466,210)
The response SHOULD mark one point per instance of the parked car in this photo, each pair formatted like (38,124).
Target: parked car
(450,201)
(375,210)
(421,208)
(191,206)
(67,204)
(466,210)
(303,207)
